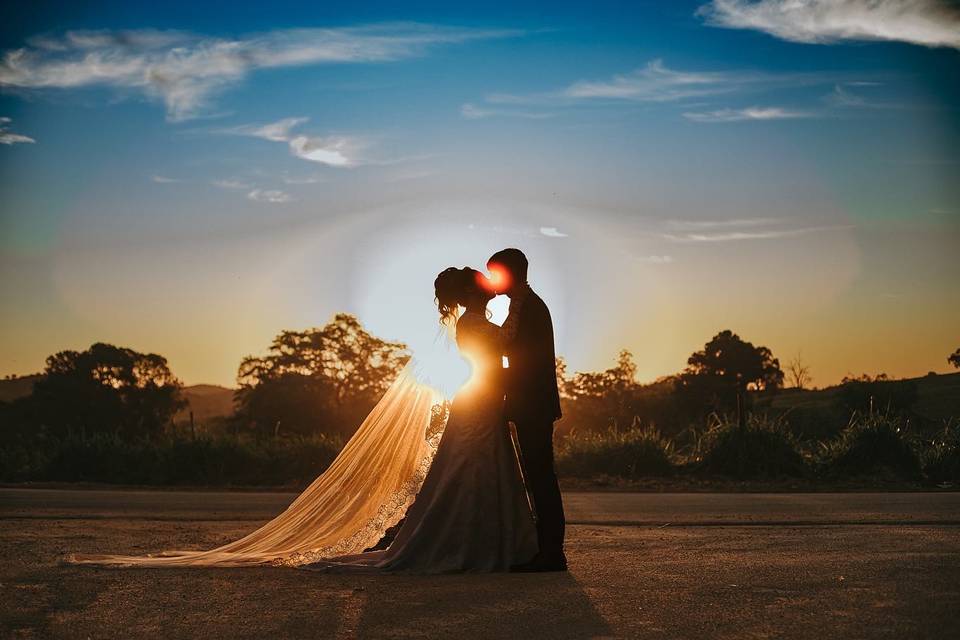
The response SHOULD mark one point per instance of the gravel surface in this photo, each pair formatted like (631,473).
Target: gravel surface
(641,565)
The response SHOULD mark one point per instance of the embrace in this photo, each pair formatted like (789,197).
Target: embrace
(396,498)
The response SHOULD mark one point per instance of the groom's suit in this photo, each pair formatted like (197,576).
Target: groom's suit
(533,404)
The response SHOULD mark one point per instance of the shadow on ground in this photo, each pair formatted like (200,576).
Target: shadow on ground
(787,581)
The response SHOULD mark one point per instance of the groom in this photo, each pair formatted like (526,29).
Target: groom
(532,400)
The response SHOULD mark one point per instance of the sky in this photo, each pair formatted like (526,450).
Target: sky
(190,179)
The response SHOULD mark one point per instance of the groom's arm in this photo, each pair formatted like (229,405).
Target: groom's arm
(508,331)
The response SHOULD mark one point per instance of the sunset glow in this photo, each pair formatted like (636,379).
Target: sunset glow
(667,178)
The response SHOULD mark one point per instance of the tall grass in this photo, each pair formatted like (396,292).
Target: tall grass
(635,452)
(941,459)
(760,448)
(876,444)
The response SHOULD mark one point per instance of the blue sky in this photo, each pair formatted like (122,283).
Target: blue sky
(190,178)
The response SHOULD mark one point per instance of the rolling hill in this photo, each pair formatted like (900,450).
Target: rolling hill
(207,401)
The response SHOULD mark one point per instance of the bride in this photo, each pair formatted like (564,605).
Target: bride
(460,505)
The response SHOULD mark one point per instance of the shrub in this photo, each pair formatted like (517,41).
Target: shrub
(761,448)
(941,460)
(873,444)
(635,452)
(171,461)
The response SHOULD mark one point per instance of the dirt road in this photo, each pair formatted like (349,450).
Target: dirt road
(641,565)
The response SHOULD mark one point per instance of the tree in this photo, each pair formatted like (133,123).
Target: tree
(318,379)
(106,389)
(604,398)
(727,367)
(799,373)
(954,358)
(562,381)
(617,379)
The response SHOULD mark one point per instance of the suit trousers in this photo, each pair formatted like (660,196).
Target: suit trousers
(535,438)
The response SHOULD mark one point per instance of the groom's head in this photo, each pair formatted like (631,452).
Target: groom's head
(509,268)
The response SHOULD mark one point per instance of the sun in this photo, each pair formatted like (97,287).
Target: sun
(444,369)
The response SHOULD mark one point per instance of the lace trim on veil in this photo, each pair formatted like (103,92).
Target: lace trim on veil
(391,512)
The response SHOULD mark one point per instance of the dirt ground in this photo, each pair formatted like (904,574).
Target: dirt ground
(662,566)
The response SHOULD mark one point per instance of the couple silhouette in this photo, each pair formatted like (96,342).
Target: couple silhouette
(398,499)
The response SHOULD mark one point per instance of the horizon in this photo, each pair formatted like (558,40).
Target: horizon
(808,386)
(190,183)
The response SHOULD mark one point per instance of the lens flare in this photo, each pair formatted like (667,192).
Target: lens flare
(499,279)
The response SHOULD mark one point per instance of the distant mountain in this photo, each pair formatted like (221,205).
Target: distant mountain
(13,388)
(205,400)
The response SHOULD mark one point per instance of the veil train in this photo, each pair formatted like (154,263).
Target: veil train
(348,508)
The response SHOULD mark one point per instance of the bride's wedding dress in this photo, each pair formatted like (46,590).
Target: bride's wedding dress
(472,512)
(462,503)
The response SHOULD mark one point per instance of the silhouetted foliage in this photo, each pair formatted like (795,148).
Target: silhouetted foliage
(873,444)
(320,380)
(203,461)
(728,366)
(605,397)
(799,373)
(760,448)
(103,415)
(631,453)
(597,402)
(954,358)
(866,394)
(105,389)
(941,460)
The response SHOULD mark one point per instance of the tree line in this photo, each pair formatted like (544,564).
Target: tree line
(324,381)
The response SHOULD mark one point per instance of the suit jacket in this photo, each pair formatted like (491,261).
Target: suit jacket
(531,378)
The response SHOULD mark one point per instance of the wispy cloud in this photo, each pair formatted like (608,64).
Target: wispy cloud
(301,179)
(656,259)
(276,131)
(471,111)
(272,196)
(749,113)
(409,174)
(732,236)
(655,83)
(163,179)
(843,97)
(721,224)
(333,151)
(552,232)
(8,137)
(231,183)
(185,71)
(932,23)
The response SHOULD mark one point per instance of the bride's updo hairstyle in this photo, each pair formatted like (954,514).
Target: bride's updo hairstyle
(454,288)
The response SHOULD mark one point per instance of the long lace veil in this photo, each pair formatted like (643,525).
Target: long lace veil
(365,491)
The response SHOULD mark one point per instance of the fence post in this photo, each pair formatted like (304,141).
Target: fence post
(741,415)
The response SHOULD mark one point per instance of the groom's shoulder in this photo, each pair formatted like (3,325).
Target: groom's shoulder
(535,302)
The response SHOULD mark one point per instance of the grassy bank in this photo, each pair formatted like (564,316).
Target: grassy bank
(877,450)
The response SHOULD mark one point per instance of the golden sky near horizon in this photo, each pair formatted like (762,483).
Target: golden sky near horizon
(191,184)
(206,304)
